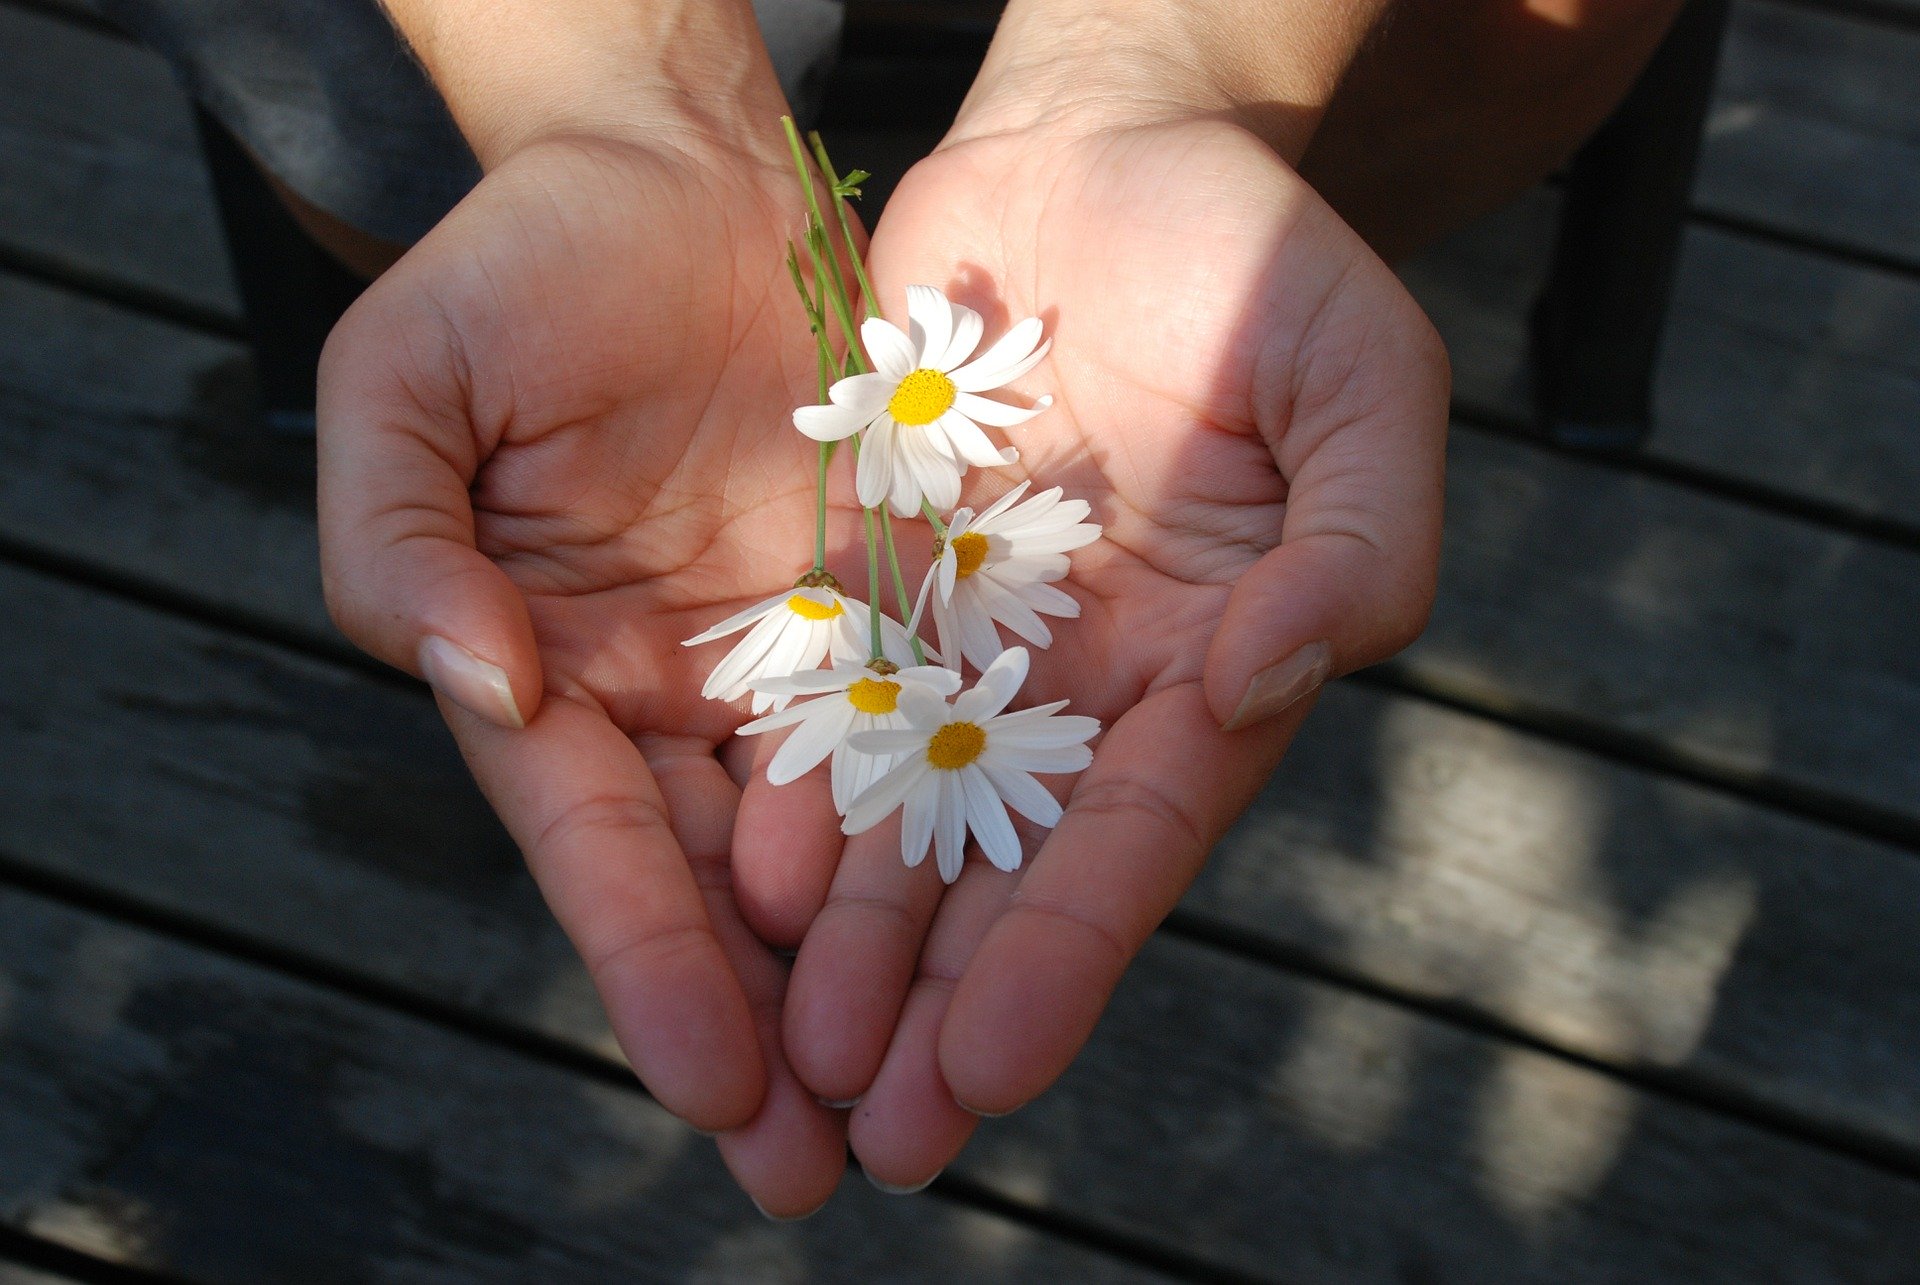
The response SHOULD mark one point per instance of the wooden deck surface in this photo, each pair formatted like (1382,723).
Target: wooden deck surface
(1579,944)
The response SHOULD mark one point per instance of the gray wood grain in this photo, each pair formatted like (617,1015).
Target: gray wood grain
(16,1274)
(167,1108)
(1815,128)
(1638,922)
(1780,369)
(100,169)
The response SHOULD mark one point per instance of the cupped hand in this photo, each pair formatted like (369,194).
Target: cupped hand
(1256,410)
(554,443)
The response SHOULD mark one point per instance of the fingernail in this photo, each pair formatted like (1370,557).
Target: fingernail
(785,1218)
(1278,686)
(892,1190)
(469,682)
(984,1115)
(831,1105)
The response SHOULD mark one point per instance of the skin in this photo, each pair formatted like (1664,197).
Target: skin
(556,434)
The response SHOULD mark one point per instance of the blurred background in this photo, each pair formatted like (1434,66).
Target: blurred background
(1578,944)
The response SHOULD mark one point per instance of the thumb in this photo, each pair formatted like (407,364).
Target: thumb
(403,578)
(1352,579)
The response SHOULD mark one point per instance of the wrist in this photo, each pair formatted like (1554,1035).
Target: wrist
(689,74)
(1071,66)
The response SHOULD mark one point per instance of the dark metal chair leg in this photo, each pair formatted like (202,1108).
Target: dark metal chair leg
(1597,324)
(293,290)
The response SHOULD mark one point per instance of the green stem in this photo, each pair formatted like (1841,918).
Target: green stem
(867,296)
(873,589)
(939,527)
(900,586)
(823,258)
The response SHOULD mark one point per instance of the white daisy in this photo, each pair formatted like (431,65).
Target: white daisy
(921,408)
(964,764)
(849,698)
(792,631)
(997,568)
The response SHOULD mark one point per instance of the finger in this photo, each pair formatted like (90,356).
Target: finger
(911,1125)
(1352,579)
(403,578)
(786,844)
(856,963)
(1165,783)
(583,806)
(792,1154)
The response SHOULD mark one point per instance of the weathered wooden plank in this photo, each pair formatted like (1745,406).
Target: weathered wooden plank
(170,1109)
(1638,922)
(16,1274)
(103,411)
(1760,647)
(1815,128)
(100,169)
(1781,369)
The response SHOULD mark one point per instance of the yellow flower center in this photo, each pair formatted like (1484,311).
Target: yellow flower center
(922,397)
(874,695)
(969,550)
(956,745)
(807,609)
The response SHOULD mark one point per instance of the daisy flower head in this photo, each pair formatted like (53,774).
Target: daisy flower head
(998,568)
(847,699)
(792,631)
(963,765)
(921,406)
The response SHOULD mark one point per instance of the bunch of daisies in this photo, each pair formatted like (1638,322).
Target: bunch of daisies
(856,687)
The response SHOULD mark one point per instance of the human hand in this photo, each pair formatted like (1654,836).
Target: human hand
(554,443)
(1256,411)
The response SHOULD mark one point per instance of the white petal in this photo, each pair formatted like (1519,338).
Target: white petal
(866,395)
(873,477)
(1044,597)
(946,628)
(948,568)
(729,678)
(1001,505)
(894,643)
(999,683)
(810,682)
(997,414)
(950,827)
(829,423)
(920,603)
(810,743)
(877,802)
(943,681)
(891,351)
(1045,734)
(892,740)
(1031,714)
(773,722)
(923,708)
(739,620)
(1016,615)
(932,316)
(967,329)
(1016,352)
(916,824)
(979,640)
(1022,793)
(853,771)
(987,818)
(1074,758)
(973,446)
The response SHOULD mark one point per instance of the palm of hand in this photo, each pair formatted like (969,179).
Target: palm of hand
(1220,340)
